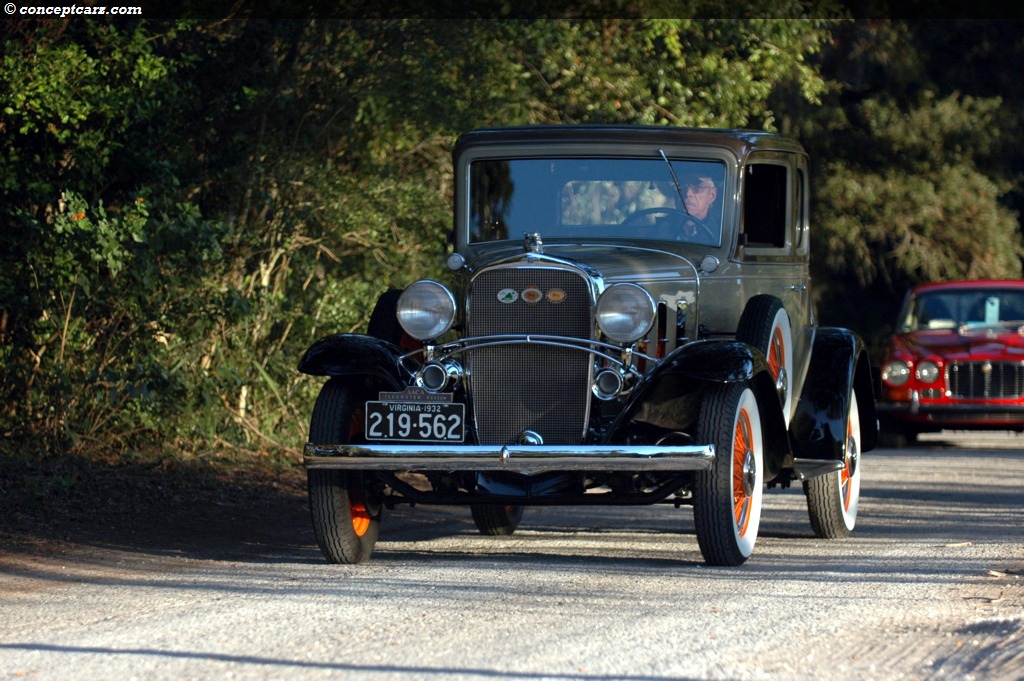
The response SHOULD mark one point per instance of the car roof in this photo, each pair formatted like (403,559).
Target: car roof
(968,284)
(739,141)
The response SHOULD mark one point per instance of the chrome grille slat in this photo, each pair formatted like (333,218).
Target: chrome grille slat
(980,380)
(518,387)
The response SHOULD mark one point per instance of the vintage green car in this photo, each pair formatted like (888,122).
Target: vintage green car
(628,321)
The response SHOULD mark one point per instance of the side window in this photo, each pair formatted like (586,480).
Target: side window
(765,205)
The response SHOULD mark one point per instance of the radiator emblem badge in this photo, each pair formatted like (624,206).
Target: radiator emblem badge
(556,295)
(507,295)
(532,295)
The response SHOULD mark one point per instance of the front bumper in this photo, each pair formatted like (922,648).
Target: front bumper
(513,458)
(953,415)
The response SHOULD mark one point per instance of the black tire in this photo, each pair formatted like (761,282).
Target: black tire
(833,499)
(765,325)
(728,496)
(346,513)
(384,318)
(496,521)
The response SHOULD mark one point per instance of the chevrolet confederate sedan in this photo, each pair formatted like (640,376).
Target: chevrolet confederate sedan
(627,319)
(955,361)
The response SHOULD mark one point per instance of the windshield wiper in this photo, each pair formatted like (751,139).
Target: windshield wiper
(675,180)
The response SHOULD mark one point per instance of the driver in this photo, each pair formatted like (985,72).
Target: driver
(700,196)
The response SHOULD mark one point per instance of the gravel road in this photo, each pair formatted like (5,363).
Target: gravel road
(929,587)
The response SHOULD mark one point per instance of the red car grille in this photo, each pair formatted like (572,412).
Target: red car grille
(527,386)
(980,380)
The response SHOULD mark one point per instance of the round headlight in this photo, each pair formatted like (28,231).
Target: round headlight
(896,372)
(426,309)
(625,313)
(927,372)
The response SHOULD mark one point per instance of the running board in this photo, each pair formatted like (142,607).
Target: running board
(812,468)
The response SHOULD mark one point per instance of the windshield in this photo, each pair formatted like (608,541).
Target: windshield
(952,309)
(597,197)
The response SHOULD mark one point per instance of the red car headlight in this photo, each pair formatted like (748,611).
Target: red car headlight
(928,372)
(896,372)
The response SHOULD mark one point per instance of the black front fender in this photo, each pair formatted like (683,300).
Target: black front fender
(685,373)
(839,367)
(349,354)
(670,397)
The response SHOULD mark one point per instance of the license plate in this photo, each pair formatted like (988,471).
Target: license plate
(415,421)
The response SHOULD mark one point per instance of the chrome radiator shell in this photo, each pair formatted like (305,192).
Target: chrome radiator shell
(518,387)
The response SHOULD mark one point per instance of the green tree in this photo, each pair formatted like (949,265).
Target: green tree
(189,205)
(912,180)
(89,279)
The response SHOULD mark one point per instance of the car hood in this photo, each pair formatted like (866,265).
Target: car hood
(613,263)
(964,347)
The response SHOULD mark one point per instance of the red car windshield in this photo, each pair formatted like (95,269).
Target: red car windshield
(971,308)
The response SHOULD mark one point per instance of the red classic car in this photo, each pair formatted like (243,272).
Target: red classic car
(955,361)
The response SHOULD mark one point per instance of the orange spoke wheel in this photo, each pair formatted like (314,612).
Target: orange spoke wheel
(344,506)
(727,497)
(743,473)
(833,499)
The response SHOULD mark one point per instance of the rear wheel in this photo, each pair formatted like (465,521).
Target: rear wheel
(832,499)
(727,497)
(497,520)
(346,512)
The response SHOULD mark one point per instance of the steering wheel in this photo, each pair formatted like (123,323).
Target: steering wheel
(682,216)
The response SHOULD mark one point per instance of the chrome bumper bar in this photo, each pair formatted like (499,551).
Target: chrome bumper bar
(513,458)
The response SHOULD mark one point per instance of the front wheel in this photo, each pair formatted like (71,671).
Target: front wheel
(832,499)
(344,507)
(727,497)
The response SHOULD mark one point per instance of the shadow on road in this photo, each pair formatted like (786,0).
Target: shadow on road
(164,508)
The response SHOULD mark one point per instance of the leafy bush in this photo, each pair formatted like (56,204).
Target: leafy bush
(187,206)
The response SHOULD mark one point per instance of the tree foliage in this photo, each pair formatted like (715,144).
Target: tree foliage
(188,205)
(912,177)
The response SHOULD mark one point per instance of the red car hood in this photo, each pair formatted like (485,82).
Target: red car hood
(972,345)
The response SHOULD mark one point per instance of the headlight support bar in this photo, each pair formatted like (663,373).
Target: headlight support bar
(624,357)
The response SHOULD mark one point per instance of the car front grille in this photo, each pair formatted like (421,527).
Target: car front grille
(978,380)
(517,387)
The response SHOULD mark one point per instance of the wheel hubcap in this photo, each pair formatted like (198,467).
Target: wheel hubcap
(852,456)
(749,473)
(849,470)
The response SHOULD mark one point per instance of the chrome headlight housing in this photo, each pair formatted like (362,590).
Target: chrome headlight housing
(625,313)
(426,309)
(896,372)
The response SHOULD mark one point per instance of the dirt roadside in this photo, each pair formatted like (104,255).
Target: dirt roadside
(161,507)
